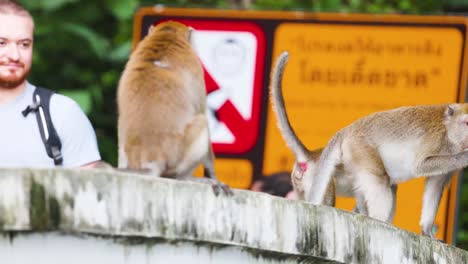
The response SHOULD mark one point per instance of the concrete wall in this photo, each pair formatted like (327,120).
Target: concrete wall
(72,216)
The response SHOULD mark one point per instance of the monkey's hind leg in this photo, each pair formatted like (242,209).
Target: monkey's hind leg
(377,194)
(122,157)
(198,150)
(134,159)
(394,188)
(330,195)
(361,206)
(208,166)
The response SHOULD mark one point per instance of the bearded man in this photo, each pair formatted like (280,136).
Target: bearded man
(21,144)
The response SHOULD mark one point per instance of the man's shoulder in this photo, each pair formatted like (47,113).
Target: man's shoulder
(57,100)
(63,108)
(61,100)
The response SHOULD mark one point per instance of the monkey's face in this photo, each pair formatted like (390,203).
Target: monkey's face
(16,42)
(456,118)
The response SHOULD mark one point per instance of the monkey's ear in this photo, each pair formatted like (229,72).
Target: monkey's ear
(190,31)
(450,111)
(151,28)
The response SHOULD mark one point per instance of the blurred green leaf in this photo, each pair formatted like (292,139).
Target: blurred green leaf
(46,5)
(331,5)
(98,44)
(50,5)
(122,9)
(81,97)
(404,5)
(121,52)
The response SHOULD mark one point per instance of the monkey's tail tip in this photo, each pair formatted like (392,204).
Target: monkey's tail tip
(281,62)
(284,55)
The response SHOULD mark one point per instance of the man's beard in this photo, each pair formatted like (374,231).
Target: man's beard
(14,81)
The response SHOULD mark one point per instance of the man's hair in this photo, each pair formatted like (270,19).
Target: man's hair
(278,184)
(13,7)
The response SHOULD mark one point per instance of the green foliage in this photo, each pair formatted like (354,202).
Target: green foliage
(462,234)
(362,6)
(122,9)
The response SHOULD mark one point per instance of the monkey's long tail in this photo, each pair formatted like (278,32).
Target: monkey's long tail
(276,96)
(330,158)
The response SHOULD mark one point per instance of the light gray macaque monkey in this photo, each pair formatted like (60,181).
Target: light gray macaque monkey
(390,147)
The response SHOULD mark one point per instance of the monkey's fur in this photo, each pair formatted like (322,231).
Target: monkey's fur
(305,159)
(394,146)
(161,103)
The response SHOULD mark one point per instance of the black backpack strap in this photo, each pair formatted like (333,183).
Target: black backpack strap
(41,101)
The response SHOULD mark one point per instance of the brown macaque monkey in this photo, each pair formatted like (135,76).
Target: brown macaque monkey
(305,160)
(394,146)
(162,127)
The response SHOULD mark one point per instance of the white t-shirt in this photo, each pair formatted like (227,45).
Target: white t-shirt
(20,140)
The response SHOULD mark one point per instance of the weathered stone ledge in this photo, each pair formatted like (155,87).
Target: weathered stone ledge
(130,206)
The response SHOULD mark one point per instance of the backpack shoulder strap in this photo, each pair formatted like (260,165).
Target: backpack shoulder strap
(41,103)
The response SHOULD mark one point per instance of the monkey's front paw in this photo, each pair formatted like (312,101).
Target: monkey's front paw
(429,232)
(218,187)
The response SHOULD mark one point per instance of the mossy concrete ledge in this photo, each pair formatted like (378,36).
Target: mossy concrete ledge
(98,216)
